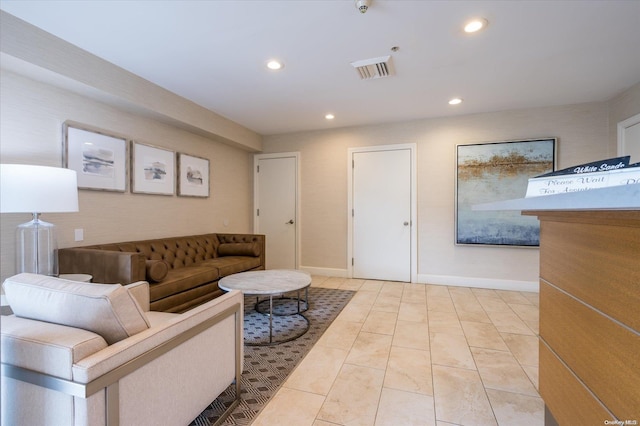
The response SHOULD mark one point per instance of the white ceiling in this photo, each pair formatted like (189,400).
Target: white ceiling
(533,53)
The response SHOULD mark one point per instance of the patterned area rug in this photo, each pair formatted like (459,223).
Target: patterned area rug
(266,367)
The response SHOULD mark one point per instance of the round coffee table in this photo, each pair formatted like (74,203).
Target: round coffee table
(272,282)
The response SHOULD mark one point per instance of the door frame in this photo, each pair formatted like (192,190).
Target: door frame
(297,228)
(622,127)
(412,147)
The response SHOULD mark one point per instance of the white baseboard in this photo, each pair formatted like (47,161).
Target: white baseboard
(452,280)
(490,283)
(325,272)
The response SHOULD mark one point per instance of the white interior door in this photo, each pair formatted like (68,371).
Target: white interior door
(382,214)
(276,189)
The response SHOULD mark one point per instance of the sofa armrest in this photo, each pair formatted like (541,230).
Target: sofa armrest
(140,291)
(106,266)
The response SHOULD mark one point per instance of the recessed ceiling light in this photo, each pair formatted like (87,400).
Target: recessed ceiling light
(275,65)
(455,101)
(329,116)
(475,25)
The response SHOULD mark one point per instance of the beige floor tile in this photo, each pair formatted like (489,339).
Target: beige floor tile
(534,326)
(524,348)
(341,334)
(380,322)
(509,322)
(473,316)
(409,370)
(290,407)
(500,370)
(318,370)
(414,293)
(451,350)
(372,285)
(350,284)
(410,334)
(437,290)
(332,282)
(370,350)
(465,301)
(482,335)
(460,397)
(534,298)
(532,373)
(413,312)
(386,303)
(392,289)
(513,297)
(367,298)
(439,303)
(353,399)
(485,292)
(516,409)
(405,408)
(354,312)
(525,312)
(492,304)
(323,423)
(444,322)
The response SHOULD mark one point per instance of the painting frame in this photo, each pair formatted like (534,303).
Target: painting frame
(152,170)
(99,158)
(194,178)
(496,171)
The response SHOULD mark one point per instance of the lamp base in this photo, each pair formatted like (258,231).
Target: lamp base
(36,247)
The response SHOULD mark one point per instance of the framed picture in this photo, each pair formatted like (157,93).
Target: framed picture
(152,170)
(494,172)
(99,159)
(193,176)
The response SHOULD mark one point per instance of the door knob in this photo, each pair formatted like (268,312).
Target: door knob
(406,224)
(290,222)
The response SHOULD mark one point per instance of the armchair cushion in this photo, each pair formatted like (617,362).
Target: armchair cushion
(108,310)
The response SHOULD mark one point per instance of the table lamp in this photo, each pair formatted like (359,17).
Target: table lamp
(36,190)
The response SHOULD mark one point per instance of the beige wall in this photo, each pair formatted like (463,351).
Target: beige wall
(583,135)
(31,117)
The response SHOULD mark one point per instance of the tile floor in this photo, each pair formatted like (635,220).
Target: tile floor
(414,354)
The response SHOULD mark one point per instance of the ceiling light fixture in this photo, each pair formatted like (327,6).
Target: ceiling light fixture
(275,65)
(329,116)
(475,25)
(455,101)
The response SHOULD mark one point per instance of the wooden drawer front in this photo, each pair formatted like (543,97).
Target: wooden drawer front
(602,353)
(567,398)
(599,264)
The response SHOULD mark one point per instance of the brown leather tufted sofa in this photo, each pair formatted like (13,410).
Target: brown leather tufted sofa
(182,271)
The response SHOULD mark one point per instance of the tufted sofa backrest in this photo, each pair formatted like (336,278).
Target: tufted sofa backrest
(177,252)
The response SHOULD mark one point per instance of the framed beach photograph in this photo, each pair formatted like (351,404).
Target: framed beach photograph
(193,176)
(152,170)
(99,159)
(494,172)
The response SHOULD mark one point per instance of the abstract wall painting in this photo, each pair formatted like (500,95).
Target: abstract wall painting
(193,176)
(152,170)
(99,158)
(493,172)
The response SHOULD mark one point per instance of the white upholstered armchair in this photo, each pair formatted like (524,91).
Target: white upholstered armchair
(93,354)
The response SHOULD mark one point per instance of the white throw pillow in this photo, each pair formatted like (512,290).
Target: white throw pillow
(105,309)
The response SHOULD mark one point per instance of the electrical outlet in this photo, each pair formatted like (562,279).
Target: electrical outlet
(79,234)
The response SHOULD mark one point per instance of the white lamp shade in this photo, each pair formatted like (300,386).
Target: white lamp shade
(37,189)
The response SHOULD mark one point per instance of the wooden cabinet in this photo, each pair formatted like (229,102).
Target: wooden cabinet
(589,369)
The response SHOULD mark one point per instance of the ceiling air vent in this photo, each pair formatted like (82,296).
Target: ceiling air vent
(374,68)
